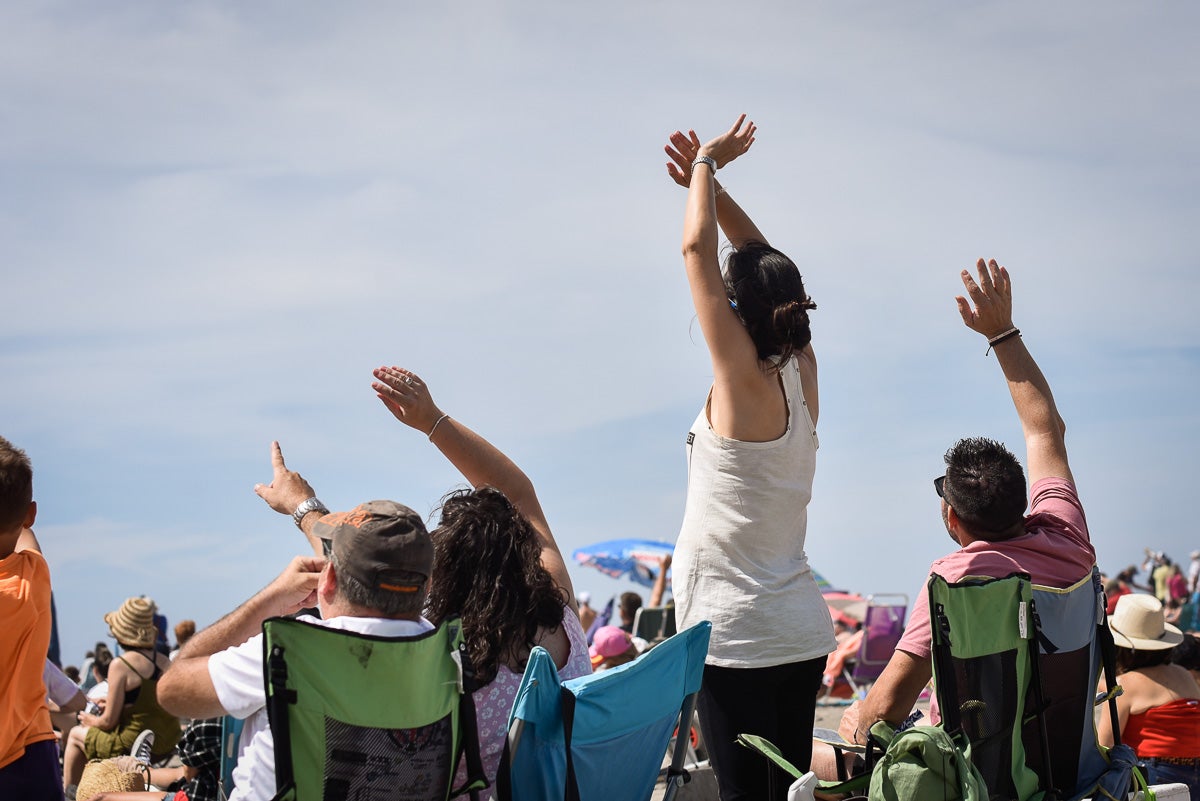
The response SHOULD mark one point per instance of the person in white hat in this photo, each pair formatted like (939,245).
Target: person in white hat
(1159,710)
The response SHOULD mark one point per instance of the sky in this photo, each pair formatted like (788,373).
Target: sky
(216,218)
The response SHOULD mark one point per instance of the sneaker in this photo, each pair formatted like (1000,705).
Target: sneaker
(142,746)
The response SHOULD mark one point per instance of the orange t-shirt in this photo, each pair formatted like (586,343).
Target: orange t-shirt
(24,641)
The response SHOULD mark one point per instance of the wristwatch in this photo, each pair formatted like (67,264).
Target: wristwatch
(306,506)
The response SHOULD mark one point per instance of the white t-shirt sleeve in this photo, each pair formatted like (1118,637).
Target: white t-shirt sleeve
(59,688)
(237,676)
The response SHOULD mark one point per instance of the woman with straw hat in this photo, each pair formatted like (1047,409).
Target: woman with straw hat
(132,703)
(1159,710)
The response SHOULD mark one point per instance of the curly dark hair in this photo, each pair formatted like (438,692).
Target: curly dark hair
(768,296)
(985,486)
(487,570)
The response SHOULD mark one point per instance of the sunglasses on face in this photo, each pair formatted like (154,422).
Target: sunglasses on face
(937,486)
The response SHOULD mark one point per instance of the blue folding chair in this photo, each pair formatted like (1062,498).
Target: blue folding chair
(602,737)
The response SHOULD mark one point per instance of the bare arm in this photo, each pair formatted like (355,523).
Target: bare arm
(1104,730)
(114,704)
(734,222)
(891,698)
(1045,446)
(660,582)
(407,397)
(186,689)
(734,356)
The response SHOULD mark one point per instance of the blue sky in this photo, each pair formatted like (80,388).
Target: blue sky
(217,218)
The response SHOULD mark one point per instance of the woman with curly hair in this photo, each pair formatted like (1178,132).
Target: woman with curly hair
(496,564)
(740,560)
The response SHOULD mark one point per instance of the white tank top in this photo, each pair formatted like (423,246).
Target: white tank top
(739,561)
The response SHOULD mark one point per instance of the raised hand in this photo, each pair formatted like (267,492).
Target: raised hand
(287,489)
(682,150)
(406,396)
(992,298)
(731,144)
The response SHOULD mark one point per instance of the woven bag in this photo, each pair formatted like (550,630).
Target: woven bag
(119,775)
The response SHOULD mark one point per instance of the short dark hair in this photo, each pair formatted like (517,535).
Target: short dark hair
(16,485)
(768,296)
(985,486)
(630,603)
(1187,653)
(388,602)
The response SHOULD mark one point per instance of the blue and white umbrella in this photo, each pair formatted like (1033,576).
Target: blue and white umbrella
(636,560)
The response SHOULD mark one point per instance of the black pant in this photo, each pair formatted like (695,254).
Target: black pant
(778,703)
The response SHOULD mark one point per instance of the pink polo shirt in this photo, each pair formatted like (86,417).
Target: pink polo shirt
(1055,551)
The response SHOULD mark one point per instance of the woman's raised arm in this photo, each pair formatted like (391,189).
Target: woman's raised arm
(407,397)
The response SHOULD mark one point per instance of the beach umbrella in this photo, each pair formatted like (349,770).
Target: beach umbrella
(848,603)
(636,560)
(823,583)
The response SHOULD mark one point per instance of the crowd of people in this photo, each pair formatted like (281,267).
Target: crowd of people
(492,561)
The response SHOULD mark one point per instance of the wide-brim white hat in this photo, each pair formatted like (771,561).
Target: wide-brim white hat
(1138,623)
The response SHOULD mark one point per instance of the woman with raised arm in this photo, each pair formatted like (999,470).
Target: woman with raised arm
(496,564)
(740,560)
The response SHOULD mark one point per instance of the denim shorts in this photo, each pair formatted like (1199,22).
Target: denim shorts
(1166,771)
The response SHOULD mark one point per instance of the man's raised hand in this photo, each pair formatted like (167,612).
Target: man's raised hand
(992,299)
(287,489)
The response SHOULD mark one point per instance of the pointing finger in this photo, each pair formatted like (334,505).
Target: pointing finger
(277,458)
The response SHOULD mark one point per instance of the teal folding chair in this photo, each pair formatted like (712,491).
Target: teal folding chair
(602,737)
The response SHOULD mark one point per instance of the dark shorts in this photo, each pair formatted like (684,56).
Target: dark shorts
(35,776)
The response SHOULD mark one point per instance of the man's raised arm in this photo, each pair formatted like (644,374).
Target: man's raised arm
(1046,450)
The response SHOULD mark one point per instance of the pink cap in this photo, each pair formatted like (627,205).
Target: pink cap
(608,641)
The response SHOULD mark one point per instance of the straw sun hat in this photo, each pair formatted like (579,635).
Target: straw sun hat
(133,623)
(1138,623)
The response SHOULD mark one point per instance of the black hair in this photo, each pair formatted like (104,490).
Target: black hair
(768,296)
(487,570)
(985,486)
(16,485)
(1136,658)
(1187,653)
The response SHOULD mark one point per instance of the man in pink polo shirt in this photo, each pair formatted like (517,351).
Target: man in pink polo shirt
(983,502)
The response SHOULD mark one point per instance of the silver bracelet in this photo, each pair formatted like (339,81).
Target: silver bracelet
(709,160)
(435,425)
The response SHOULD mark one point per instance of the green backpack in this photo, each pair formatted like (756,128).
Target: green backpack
(923,762)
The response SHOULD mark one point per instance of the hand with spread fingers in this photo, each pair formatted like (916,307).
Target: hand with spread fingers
(407,397)
(731,144)
(287,489)
(682,150)
(992,299)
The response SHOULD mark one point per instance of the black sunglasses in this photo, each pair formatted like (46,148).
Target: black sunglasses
(937,486)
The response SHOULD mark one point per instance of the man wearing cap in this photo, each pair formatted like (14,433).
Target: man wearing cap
(28,744)
(374,582)
(983,505)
